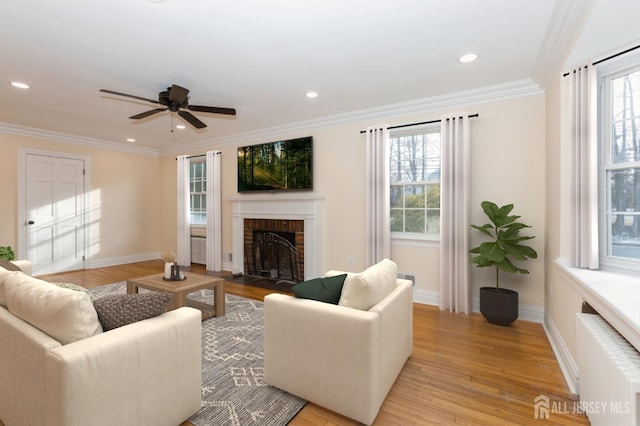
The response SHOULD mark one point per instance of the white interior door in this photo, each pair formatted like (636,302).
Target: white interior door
(54,213)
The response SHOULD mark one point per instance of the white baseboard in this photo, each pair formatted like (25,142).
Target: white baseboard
(568,366)
(227,266)
(525,312)
(426,297)
(114,261)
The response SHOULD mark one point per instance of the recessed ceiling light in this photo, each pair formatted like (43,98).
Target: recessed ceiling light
(469,57)
(131,140)
(181,126)
(20,85)
(311,95)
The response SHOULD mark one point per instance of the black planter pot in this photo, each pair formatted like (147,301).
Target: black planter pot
(499,306)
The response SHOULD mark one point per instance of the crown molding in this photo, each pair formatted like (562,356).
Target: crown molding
(567,22)
(16,129)
(499,92)
(514,89)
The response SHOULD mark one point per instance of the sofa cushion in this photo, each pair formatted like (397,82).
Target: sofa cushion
(365,289)
(4,274)
(9,266)
(66,315)
(74,287)
(122,309)
(327,289)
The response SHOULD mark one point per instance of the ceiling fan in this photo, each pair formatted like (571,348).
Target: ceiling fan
(175,99)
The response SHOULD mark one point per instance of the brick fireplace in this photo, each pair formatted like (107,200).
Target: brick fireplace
(297,213)
(274,248)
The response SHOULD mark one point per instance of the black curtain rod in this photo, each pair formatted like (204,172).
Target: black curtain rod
(201,155)
(418,124)
(615,55)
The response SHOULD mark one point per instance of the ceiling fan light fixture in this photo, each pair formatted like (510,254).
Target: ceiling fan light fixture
(467,58)
(20,85)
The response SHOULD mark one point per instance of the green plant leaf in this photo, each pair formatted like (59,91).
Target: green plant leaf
(481,261)
(512,229)
(485,229)
(519,251)
(506,266)
(6,253)
(492,251)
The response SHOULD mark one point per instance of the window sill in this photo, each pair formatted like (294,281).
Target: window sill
(615,296)
(414,241)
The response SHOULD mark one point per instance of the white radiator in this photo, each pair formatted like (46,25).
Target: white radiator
(199,250)
(609,373)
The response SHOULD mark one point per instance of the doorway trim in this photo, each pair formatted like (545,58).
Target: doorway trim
(22,188)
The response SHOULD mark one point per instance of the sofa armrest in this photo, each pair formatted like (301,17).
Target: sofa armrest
(396,331)
(24,265)
(145,373)
(325,353)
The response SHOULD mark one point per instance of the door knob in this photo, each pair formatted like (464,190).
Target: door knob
(31,222)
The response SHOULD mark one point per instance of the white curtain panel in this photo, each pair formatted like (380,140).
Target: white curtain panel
(378,195)
(214,213)
(580,136)
(455,293)
(183,255)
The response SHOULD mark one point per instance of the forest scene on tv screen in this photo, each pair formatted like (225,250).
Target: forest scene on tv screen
(276,166)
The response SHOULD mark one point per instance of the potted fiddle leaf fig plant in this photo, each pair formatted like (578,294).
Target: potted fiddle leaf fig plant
(499,305)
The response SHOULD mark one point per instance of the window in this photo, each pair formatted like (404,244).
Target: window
(415,184)
(620,172)
(198,190)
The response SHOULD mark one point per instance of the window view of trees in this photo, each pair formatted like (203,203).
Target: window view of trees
(277,165)
(623,169)
(198,190)
(415,183)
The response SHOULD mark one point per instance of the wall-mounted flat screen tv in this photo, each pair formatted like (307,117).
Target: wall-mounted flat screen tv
(276,166)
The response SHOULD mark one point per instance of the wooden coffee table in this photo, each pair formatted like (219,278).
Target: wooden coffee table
(180,289)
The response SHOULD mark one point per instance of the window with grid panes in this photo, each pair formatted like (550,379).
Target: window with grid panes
(415,183)
(620,174)
(198,190)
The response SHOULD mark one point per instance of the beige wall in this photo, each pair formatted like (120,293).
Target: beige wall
(133,195)
(508,156)
(124,197)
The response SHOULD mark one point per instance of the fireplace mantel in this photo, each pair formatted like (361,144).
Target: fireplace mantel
(289,206)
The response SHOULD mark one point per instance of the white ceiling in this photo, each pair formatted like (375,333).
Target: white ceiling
(257,56)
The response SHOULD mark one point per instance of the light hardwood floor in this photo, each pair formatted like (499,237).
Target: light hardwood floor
(463,370)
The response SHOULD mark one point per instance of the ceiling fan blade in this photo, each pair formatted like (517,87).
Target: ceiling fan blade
(178,94)
(215,110)
(111,92)
(147,113)
(192,119)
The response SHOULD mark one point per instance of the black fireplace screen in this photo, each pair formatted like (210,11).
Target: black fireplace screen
(273,255)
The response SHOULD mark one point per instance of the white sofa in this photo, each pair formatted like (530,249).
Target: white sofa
(145,373)
(339,357)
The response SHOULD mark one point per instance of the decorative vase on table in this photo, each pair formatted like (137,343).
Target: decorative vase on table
(167,270)
(169,258)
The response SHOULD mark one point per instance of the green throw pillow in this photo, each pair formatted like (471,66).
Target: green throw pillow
(327,289)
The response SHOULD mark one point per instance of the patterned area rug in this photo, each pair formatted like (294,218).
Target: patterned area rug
(233,389)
